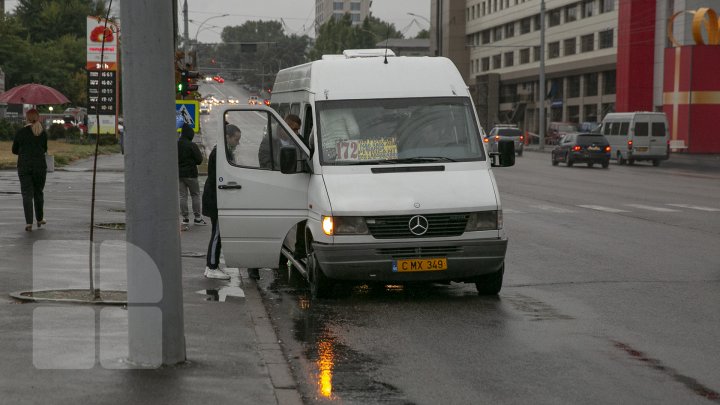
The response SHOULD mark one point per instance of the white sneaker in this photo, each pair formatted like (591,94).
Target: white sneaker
(216,274)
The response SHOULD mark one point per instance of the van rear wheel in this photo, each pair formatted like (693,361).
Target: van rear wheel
(490,284)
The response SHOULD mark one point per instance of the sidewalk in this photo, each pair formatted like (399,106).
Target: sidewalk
(233,355)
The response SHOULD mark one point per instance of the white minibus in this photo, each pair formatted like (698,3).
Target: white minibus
(637,136)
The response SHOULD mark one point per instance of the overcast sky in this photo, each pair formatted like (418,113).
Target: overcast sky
(297,14)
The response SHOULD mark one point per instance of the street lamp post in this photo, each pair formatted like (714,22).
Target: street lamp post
(419,16)
(203,23)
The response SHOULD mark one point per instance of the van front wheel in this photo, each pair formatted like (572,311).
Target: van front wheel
(320,285)
(490,284)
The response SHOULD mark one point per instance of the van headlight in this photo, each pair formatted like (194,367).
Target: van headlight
(344,226)
(484,221)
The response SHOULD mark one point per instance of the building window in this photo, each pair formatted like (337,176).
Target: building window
(607,5)
(587,43)
(590,111)
(355,17)
(496,61)
(338,5)
(536,22)
(485,37)
(485,62)
(588,8)
(525,25)
(573,83)
(554,18)
(510,30)
(495,5)
(482,8)
(338,16)
(609,82)
(497,34)
(591,84)
(553,50)
(536,53)
(354,6)
(606,39)
(573,112)
(569,47)
(509,59)
(571,13)
(525,56)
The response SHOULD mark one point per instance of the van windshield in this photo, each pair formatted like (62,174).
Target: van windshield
(404,130)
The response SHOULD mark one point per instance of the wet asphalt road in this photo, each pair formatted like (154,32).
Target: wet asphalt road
(611,295)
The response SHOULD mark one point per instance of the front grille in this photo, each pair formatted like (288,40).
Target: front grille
(419,252)
(398,226)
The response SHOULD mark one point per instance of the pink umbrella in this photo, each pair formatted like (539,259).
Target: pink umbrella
(33,93)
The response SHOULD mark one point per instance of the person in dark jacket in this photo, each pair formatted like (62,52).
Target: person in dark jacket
(209,205)
(30,144)
(189,156)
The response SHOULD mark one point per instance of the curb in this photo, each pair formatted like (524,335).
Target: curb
(21,296)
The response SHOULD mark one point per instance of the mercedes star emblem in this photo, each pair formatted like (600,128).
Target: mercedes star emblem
(418,225)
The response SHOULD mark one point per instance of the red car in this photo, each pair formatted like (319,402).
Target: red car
(218,79)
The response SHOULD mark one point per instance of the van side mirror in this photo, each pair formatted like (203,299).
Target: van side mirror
(505,156)
(288,160)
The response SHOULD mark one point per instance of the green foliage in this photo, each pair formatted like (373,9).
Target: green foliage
(336,36)
(56,131)
(274,50)
(8,130)
(424,34)
(44,42)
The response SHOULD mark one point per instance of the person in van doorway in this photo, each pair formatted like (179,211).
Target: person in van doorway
(189,156)
(30,144)
(209,204)
(266,160)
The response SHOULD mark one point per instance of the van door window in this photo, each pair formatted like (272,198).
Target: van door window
(615,128)
(295,109)
(624,128)
(307,126)
(658,129)
(641,129)
(606,128)
(261,137)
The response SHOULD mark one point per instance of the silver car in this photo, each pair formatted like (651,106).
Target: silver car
(506,132)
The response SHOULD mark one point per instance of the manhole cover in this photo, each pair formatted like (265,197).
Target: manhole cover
(118,226)
(107,297)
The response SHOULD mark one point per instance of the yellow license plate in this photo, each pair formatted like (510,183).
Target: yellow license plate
(413,265)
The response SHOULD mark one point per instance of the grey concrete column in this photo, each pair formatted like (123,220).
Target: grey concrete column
(155,309)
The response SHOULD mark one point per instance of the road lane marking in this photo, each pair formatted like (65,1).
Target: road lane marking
(695,207)
(651,208)
(552,208)
(601,208)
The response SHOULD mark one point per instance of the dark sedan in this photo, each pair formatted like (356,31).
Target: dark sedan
(582,148)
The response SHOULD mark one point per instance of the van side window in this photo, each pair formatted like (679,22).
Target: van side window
(606,128)
(283,109)
(641,129)
(295,109)
(262,136)
(624,127)
(658,129)
(615,128)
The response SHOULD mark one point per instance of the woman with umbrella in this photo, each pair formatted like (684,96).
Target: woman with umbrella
(30,145)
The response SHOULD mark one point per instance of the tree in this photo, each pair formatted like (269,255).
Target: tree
(44,20)
(336,36)
(424,34)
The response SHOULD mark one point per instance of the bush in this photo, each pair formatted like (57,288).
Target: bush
(74,135)
(105,139)
(8,130)
(56,131)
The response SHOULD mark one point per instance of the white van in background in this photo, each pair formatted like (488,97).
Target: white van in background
(637,136)
(386,181)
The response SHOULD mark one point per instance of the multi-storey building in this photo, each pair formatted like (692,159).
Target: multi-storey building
(504,59)
(327,9)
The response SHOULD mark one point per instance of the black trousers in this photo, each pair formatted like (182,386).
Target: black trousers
(32,183)
(213,252)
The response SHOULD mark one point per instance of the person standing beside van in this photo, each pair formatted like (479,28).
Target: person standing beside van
(189,156)
(30,144)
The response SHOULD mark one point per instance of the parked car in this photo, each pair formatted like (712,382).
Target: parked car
(556,130)
(582,148)
(511,132)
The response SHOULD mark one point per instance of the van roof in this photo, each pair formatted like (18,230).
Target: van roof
(631,114)
(370,77)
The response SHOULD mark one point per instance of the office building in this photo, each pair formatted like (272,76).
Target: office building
(327,9)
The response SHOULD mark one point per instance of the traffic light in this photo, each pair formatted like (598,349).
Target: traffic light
(187,82)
